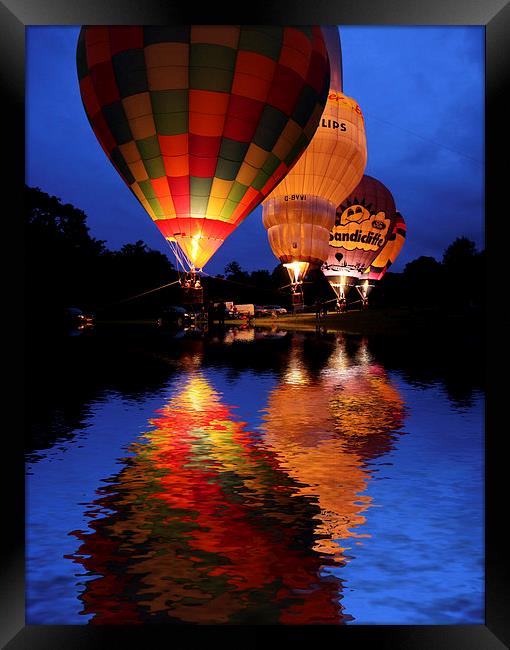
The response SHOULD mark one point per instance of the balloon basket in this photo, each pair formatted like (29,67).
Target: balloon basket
(298,302)
(192,296)
(192,291)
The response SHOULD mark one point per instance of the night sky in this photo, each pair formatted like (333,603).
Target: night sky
(421,90)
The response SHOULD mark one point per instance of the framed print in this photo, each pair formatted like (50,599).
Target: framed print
(286,444)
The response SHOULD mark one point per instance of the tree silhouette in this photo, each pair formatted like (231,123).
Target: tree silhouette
(233,271)
(464,270)
(59,250)
(459,253)
(423,281)
(61,227)
(67,267)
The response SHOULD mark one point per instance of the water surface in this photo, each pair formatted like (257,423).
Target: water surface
(253,477)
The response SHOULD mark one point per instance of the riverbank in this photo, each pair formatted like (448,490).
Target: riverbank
(388,322)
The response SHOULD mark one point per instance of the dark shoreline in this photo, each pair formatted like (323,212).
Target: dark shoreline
(388,322)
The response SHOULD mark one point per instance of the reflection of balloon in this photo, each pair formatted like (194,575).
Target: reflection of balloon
(239,334)
(323,432)
(389,252)
(364,223)
(300,211)
(202,526)
(202,122)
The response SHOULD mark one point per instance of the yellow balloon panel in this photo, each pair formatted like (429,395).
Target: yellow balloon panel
(297,209)
(299,242)
(334,161)
(298,227)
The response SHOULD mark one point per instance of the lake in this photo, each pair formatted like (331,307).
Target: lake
(254,476)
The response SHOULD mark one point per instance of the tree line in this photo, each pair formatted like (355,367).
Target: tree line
(66,266)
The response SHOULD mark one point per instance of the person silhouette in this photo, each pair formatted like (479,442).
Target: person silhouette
(221,313)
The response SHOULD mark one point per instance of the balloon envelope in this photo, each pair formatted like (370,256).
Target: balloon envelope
(300,211)
(202,122)
(364,223)
(389,252)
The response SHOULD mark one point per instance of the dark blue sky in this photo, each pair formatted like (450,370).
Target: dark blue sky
(422,93)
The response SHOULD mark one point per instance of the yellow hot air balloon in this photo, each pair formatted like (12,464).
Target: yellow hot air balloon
(300,212)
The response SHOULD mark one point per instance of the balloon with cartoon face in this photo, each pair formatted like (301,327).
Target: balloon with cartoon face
(363,225)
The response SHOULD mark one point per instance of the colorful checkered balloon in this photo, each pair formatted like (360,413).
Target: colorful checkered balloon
(202,122)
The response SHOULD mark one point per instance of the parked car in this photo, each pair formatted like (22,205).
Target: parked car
(177,316)
(260,311)
(275,308)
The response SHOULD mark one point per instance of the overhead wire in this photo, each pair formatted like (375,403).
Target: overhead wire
(243,284)
(417,135)
(139,295)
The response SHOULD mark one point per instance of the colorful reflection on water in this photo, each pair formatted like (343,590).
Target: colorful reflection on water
(324,431)
(320,488)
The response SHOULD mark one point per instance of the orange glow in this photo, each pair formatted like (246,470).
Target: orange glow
(197,248)
(239,334)
(323,432)
(193,532)
(297,271)
(341,284)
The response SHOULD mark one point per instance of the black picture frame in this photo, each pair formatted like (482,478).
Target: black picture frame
(15,15)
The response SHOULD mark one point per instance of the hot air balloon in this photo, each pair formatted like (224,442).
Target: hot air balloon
(383,261)
(202,122)
(389,252)
(300,212)
(364,224)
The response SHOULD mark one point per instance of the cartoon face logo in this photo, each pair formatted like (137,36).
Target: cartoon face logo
(354,213)
(380,222)
(360,227)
